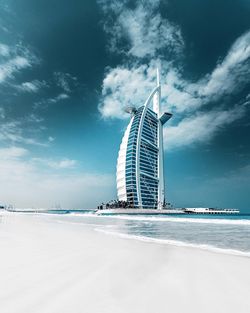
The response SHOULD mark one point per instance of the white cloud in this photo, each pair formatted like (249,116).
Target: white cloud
(14,59)
(25,184)
(140,32)
(12,153)
(4,50)
(201,127)
(20,131)
(51,139)
(131,84)
(122,87)
(45,102)
(64,163)
(126,85)
(10,131)
(33,118)
(146,31)
(32,87)
(233,71)
(29,86)
(11,66)
(228,77)
(61,96)
(65,81)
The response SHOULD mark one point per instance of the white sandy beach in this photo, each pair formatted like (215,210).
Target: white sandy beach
(51,267)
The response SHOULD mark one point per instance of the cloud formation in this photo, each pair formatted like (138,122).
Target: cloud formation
(143,27)
(22,131)
(125,87)
(4,50)
(13,152)
(32,86)
(20,174)
(14,58)
(129,84)
(65,81)
(200,127)
(64,163)
(13,65)
(146,40)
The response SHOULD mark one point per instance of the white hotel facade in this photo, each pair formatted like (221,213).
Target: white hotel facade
(140,164)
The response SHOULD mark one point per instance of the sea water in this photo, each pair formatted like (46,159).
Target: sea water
(223,233)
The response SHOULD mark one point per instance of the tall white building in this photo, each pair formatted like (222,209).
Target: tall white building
(140,166)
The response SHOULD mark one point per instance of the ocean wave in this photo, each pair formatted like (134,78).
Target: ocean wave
(87,214)
(181,219)
(176,243)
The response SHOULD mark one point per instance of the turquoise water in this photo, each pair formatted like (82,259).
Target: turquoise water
(224,233)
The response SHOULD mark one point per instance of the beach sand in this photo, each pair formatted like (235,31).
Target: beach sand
(46,267)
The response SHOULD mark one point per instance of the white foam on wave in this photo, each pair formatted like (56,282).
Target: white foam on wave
(156,218)
(79,223)
(175,243)
(180,219)
(87,214)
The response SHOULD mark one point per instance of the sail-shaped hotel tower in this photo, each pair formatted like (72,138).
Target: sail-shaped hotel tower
(140,166)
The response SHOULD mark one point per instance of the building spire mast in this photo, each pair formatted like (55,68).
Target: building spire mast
(157,96)
(158,76)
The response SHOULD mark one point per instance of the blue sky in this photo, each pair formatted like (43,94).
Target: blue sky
(68,69)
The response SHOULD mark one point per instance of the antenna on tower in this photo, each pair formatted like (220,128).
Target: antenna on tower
(157,96)
(158,76)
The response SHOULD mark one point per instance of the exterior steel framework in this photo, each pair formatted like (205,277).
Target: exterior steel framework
(140,168)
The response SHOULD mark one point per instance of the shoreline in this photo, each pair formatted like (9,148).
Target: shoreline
(170,242)
(52,267)
(176,243)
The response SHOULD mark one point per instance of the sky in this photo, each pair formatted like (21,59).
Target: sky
(69,68)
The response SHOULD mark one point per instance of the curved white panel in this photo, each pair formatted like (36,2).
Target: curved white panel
(121,165)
